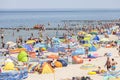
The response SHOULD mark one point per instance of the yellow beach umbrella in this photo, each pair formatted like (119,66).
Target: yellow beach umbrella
(30,41)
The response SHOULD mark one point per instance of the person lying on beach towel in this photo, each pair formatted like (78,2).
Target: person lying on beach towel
(99,70)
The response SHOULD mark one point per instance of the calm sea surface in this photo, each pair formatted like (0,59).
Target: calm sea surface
(30,18)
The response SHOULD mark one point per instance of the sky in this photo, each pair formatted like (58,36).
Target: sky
(59,4)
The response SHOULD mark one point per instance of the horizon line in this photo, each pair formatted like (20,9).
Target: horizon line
(60,9)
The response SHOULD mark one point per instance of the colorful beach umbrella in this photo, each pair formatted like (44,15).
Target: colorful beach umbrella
(27,47)
(30,41)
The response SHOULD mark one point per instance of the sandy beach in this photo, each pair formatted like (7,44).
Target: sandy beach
(74,70)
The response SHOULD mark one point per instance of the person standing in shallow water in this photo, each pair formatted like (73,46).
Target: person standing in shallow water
(2,37)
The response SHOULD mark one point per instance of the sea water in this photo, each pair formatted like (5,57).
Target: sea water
(52,17)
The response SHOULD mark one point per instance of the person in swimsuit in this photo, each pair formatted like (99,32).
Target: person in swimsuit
(113,64)
(108,63)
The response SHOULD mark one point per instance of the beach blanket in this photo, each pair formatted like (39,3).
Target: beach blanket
(14,75)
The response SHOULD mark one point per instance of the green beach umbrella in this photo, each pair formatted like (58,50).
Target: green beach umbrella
(23,56)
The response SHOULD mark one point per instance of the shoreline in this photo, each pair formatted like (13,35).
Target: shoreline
(71,24)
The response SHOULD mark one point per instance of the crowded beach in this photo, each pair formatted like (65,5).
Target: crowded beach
(82,53)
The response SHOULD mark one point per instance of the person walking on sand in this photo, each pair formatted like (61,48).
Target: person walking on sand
(108,64)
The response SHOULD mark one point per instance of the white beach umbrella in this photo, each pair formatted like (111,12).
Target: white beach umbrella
(11,44)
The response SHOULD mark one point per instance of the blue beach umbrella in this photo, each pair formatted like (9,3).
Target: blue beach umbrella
(28,47)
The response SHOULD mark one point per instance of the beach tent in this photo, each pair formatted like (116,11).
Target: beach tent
(96,38)
(77,59)
(78,51)
(46,68)
(9,66)
(92,48)
(23,56)
(58,64)
(64,63)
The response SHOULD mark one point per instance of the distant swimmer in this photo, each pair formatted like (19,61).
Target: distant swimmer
(2,37)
